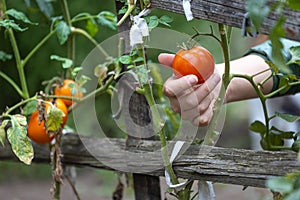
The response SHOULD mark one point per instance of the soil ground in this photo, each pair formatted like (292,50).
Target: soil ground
(91,187)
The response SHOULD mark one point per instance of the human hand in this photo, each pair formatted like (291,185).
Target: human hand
(193,102)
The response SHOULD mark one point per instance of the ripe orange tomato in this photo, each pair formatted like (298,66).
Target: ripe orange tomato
(66,90)
(37,132)
(197,61)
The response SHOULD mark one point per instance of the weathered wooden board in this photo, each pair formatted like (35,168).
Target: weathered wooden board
(224,165)
(230,13)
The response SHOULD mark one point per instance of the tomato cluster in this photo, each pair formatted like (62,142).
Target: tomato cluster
(37,131)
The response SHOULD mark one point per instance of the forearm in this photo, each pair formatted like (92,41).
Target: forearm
(241,89)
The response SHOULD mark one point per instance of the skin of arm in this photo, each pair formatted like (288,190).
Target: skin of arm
(195,102)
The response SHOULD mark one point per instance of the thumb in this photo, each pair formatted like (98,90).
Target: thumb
(166,59)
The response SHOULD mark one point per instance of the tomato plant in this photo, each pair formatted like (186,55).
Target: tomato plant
(37,131)
(68,88)
(197,61)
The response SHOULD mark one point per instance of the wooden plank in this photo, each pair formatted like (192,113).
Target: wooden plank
(230,13)
(224,165)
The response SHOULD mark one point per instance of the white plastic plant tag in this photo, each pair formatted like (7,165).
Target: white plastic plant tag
(135,35)
(187,9)
(140,25)
(206,191)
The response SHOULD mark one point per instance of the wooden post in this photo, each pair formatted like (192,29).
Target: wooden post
(137,114)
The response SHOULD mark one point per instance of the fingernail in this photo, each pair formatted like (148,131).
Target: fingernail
(192,79)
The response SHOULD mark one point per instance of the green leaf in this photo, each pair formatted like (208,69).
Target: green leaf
(284,81)
(122,10)
(91,27)
(45,7)
(17,137)
(280,184)
(165,20)
(125,59)
(276,139)
(8,23)
(29,108)
(287,117)
(295,53)
(277,46)
(143,74)
(62,32)
(258,127)
(294,4)
(5,56)
(153,22)
(107,19)
(273,66)
(19,16)
(66,62)
(138,59)
(75,71)
(258,11)
(2,131)
(282,134)
(296,147)
(54,118)
(293,195)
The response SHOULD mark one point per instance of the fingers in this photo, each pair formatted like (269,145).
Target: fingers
(175,87)
(202,96)
(166,59)
(194,102)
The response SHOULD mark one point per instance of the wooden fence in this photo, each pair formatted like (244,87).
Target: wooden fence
(225,165)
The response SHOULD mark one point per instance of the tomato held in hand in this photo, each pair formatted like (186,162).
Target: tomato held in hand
(197,61)
(37,132)
(69,88)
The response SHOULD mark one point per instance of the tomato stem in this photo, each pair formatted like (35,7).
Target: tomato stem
(157,122)
(34,98)
(212,133)
(12,83)
(17,56)
(211,34)
(37,47)
(71,38)
(130,8)
(91,39)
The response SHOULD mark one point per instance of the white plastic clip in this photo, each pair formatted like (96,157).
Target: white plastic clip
(177,147)
(206,191)
(187,9)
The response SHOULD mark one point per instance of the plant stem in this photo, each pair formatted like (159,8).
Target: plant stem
(19,104)
(16,52)
(37,47)
(262,99)
(226,54)
(158,124)
(71,38)
(211,131)
(130,8)
(12,83)
(281,89)
(93,93)
(91,39)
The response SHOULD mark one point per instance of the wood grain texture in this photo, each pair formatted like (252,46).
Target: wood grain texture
(230,13)
(224,165)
